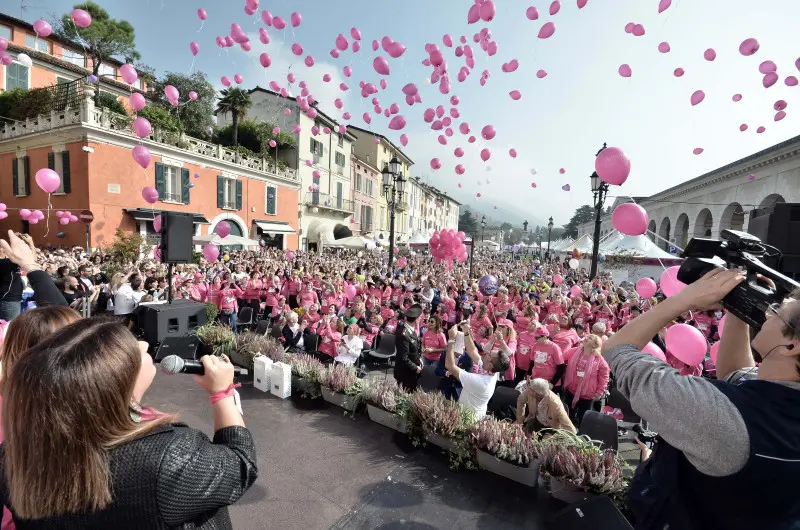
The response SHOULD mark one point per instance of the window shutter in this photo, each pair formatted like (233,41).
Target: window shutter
(161,182)
(220,192)
(15,176)
(272,193)
(185,185)
(51,160)
(66,177)
(238,194)
(27,175)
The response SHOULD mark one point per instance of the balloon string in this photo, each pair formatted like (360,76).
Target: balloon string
(191,66)
(202,23)
(49,208)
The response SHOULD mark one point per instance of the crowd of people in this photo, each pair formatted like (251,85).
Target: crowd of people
(563,340)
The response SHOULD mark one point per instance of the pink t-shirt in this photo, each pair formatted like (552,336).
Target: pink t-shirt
(525,345)
(545,359)
(565,338)
(433,340)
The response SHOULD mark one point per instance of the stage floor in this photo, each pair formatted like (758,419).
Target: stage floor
(320,469)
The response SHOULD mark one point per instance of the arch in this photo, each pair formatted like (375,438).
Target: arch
(665,232)
(231,218)
(703,223)
(771,200)
(732,217)
(341,231)
(682,230)
(651,230)
(236,230)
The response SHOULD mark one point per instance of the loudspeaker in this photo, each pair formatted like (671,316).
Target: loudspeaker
(185,347)
(177,230)
(774,225)
(590,514)
(178,319)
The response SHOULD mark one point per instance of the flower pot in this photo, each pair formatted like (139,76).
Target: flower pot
(387,419)
(566,492)
(441,441)
(306,395)
(206,349)
(527,475)
(340,400)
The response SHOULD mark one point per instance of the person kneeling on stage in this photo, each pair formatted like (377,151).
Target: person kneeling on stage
(728,451)
(539,408)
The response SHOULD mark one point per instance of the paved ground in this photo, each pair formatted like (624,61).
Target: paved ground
(319,469)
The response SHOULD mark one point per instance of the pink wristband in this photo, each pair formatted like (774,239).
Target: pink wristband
(222,394)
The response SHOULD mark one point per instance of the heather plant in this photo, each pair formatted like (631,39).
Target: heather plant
(505,440)
(439,415)
(342,379)
(386,394)
(306,367)
(221,338)
(249,345)
(580,462)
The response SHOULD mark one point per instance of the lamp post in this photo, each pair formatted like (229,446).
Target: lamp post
(483,227)
(539,241)
(599,192)
(549,231)
(393,186)
(472,250)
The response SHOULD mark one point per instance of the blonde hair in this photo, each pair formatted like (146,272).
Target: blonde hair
(593,341)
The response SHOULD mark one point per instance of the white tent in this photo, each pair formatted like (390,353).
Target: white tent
(418,240)
(555,246)
(354,242)
(583,244)
(610,240)
(639,247)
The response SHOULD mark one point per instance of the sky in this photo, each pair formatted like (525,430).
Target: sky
(559,122)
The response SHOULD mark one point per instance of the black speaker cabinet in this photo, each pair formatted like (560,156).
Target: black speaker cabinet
(178,319)
(186,347)
(177,230)
(591,514)
(779,226)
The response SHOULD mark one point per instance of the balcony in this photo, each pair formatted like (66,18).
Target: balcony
(330,202)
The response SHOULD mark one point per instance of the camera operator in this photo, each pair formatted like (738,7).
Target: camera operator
(728,451)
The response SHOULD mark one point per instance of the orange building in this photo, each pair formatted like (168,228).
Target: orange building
(91,149)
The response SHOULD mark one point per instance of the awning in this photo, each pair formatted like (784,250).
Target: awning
(275,227)
(145,214)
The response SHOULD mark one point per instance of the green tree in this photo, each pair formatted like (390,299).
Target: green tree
(505,227)
(110,102)
(236,102)
(104,39)
(197,117)
(254,136)
(583,214)
(467,222)
(160,118)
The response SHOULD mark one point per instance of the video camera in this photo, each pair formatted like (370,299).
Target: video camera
(750,299)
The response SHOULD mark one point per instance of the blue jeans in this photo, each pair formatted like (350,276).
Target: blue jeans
(228,320)
(429,362)
(10,309)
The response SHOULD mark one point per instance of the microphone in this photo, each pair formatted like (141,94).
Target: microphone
(172,364)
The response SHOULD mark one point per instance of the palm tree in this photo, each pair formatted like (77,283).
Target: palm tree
(236,101)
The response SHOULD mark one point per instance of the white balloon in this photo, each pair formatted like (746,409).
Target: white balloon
(533,171)
(24,60)
(573,264)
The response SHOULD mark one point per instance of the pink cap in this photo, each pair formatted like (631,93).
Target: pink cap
(541,331)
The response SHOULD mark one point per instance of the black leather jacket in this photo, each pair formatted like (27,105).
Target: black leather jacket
(173,478)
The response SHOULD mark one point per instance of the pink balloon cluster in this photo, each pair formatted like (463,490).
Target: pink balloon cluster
(448,245)
(64,218)
(32,217)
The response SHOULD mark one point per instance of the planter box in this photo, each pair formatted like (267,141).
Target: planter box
(528,475)
(566,492)
(440,441)
(387,419)
(340,400)
(301,386)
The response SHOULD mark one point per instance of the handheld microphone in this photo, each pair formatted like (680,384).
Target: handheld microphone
(172,364)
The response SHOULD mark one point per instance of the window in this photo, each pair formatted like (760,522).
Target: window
(172,179)
(341,140)
(364,213)
(272,200)
(138,84)
(369,187)
(317,150)
(5,33)
(339,189)
(107,70)
(59,162)
(340,162)
(358,183)
(21,176)
(75,58)
(229,193)
(41,45)
(17,76)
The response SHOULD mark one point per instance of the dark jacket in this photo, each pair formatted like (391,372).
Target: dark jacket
(45,292)
(408,350)
(172,478)
(289,338)
(10,282)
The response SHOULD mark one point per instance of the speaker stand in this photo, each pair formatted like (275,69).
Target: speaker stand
(169,283)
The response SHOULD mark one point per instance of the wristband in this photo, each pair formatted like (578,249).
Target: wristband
(222,394)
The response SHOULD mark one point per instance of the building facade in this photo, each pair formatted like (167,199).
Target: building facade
(90,148)
(365,185)
(719,200)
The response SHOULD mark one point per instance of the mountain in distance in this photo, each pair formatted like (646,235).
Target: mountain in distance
(507,213)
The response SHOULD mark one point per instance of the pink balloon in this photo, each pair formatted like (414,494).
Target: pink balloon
(296,19)
(670,285)
(566,187)
(48,180)
(575,291)
(397,123)
(150,194)
(487,10)
(488,132)
(630,219)
(356,46)
(278,23)
(141,155)
(225,81)
(737,98)
(223,229)
(697,97)
(532,13)
(157,223)
(769,79)
(761,130)
(710,54)
(141,127)
(341,42)
(404,139)
(137,101)
(687,344)
(381,65)
(655,351)
(202,14)
(512,153)
(562,170)
(629,27)
(678,72)
(749,47)
(42,28)
(486,154)
(558,280)
(646,287)
(211,252)
(355,33)
(625,70)
(780,105)
(460,170)
(613,166)
(128,73)
(297,48)
(638,30)
(791,81)
(193,95)
(767,67)
(743,127)
(309,61)
(62,221)
(697,151)
(780,115)
(555,7)
(515,95)
(541,74)
(664,47)
(436,163)
(73,218)
(714,352)
(193,47)
(663,5)
(81,18)
(25,213)
(547,30)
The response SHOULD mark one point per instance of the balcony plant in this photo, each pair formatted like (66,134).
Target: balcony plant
(575,467)
(306,372)
(341,386)
(505,449)
(388,404)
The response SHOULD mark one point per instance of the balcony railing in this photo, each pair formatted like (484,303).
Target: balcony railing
(324,200)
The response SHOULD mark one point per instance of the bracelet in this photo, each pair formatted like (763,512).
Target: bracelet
(222,394)
(451,342)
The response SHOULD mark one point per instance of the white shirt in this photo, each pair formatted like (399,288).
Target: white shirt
(126,300)
(350,351)
(477,391)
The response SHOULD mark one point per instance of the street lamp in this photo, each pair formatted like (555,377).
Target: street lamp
(539,241)
(599,192)
(393,186)
(483,226)
(549,231)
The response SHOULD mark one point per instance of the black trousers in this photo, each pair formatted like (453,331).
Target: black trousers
(581,406)
(255,305)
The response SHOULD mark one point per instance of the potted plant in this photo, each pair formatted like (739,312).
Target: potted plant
(216,339)
(341,386)
(443,422)
(305,379)
(504,449)
(576,468)
(250,345)
(387,404)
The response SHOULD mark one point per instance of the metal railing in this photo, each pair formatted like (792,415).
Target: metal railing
(324,200)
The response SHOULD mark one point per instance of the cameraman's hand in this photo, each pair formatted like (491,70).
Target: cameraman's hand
(18,251)
(453,332)
(218,376)
(707,292)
